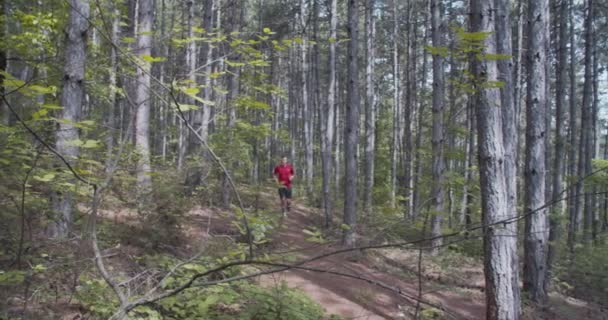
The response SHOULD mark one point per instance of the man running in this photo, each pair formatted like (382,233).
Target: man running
(284,173)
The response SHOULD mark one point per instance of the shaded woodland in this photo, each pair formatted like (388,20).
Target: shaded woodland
(138,140)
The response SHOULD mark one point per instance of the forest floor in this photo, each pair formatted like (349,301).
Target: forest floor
(452,281)
(358,299)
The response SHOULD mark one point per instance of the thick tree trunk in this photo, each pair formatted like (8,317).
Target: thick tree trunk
(142,100)
(509,115)
(72,99)
(536,233)
(351,136)
(500,240)
(438,188)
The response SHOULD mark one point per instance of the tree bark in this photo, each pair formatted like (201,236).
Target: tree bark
(500,240)
(208,90)
(411,103)
(573,200)
(560,154)
(306,109)
(396,103)
(509,115)
(328,137)
(536,233)
(587,153)
(370,110)
(351,136)
(142,100)
(438,189)
(72,99)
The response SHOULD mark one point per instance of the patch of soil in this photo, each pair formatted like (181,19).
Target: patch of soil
(352,298)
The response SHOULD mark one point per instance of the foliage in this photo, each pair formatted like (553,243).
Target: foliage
(581,277)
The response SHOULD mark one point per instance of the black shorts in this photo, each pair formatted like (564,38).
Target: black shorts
(285,193)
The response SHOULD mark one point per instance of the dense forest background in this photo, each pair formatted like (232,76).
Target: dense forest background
(453,130)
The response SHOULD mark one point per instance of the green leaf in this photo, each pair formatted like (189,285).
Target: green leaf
(128,40)
(191,90)
(267,31)
(150,58)
(45,178)
(187,107)
(90,144)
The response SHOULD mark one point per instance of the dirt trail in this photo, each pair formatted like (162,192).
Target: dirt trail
(351,298)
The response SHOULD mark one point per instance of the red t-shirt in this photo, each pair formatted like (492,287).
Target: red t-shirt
(283,173)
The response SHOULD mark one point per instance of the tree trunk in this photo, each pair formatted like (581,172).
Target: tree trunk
(306,109)
(586,154)
(142,100)
(72,99)
(438,190)
(330,126)
(500,241)
(573,200)
(208,90)
(351,136)
(560,154)
(396,104)
(410,112)
(509,116)
(370,111)
(112,79)
(536,233)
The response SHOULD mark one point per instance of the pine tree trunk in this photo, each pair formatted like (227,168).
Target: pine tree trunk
(438,190)
(418,163)
(560,154)
(410,112)
(207,91)
(500,241)
(573,200)
(370,110)
(142,100)
(351,136)
(509,115)
(306,109)
(586,154)
(72,99)
(396,104)
(536,233)
(328,136)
